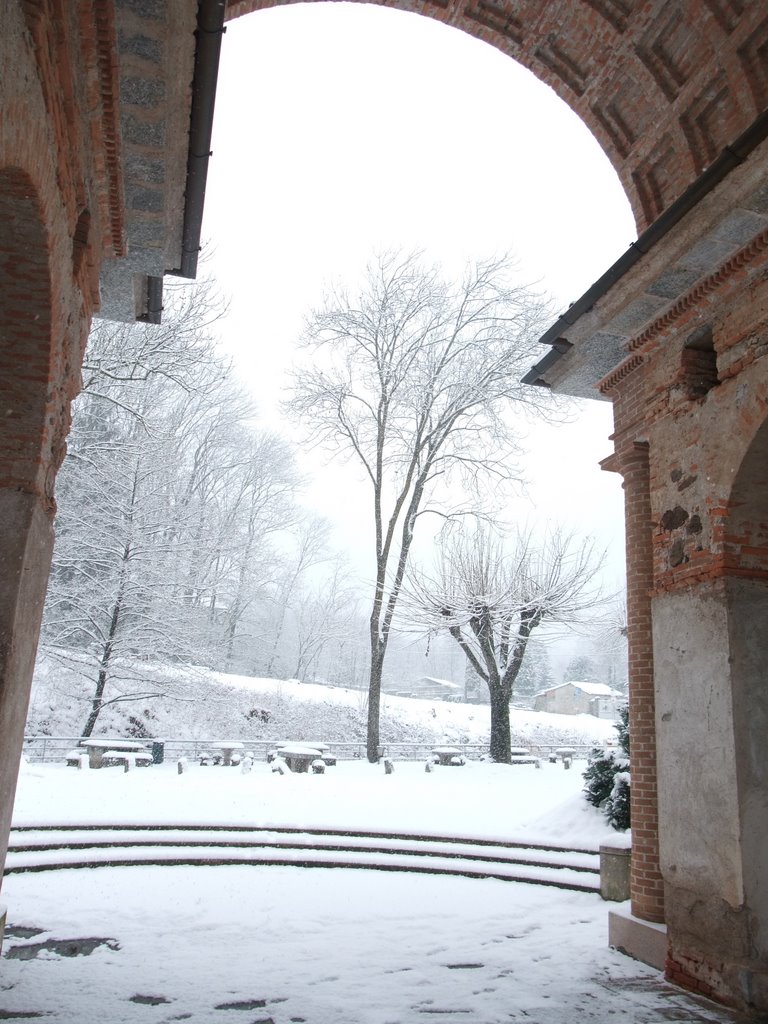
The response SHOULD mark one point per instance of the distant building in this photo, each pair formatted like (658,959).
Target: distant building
(576,698)
(428,688)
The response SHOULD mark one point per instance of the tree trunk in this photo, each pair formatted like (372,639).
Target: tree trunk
(374,705)
(501,739)
(98,697)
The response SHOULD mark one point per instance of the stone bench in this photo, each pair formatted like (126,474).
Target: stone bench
(127,758)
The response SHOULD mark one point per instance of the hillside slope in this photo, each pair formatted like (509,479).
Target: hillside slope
(194,703)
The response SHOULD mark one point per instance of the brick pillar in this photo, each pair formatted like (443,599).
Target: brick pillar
(647,890)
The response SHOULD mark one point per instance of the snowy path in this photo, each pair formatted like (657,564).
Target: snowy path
(238,945)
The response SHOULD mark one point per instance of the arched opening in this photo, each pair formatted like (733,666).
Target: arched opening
(656,95)
(747,596)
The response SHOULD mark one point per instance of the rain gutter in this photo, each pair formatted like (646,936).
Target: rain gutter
(717,171)
(209,32)
(154,301)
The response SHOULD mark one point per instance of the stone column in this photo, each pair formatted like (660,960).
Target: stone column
(647,891)
(26,545)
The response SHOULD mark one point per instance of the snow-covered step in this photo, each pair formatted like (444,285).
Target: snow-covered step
(47,848)
(38,840)
(91,857)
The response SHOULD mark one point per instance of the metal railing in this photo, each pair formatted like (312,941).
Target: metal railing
(54,749)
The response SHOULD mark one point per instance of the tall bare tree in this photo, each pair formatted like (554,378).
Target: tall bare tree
(491,597)
(414,377)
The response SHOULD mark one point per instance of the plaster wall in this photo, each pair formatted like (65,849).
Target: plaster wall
(700,848)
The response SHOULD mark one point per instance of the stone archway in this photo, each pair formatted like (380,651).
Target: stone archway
(102,141)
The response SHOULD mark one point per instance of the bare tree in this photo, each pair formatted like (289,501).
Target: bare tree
(490,598)
(414,379)
(311,549)
(324,617)
(166,501)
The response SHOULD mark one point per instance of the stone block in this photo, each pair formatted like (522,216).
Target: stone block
(614,872)
(639,939)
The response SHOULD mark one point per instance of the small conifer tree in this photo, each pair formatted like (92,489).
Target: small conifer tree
(607,781)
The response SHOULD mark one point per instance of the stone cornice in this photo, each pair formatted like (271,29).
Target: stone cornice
(746,255)
(637,346)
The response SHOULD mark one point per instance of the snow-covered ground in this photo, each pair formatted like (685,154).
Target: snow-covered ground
(283,945)
(478,800)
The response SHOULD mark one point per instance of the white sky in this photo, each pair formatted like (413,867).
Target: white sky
(341,128)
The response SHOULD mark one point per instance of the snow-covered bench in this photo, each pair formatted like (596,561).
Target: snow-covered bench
(127,758)
(522,755)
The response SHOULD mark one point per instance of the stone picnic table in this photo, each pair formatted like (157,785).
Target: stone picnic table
(227,750)
(103,746)
(299,756)
(448,756)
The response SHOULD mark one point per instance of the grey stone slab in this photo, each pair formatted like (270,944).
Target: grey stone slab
(637,314)
(146,199)
(145,169)
(708,253)
(143,133)
(154,9)
(674,282)
(142,92)
(139,45)
(740,226)
(758,201)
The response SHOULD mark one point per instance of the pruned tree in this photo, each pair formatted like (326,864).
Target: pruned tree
(491,596)
(414,379)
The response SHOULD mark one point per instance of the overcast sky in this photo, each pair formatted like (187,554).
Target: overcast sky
(343,128)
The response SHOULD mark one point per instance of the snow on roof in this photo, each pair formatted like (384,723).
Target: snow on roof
(594,689)
(440,682)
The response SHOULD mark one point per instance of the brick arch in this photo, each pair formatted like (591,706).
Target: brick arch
(746,539)
(26,321)
(664,88)
(746,591)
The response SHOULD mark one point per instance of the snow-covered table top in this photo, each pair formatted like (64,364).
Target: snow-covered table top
(110,743)
(299,750)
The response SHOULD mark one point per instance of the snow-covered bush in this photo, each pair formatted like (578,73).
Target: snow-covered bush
(607,777)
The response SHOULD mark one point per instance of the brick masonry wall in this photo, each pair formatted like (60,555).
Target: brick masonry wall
(53,236)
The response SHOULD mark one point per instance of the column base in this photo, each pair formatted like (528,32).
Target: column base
(642,940)
(3,917)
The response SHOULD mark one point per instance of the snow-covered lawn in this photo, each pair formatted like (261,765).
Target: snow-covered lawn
(260,944)
(477,799)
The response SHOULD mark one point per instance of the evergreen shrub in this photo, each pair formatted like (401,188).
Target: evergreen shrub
(607,777)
